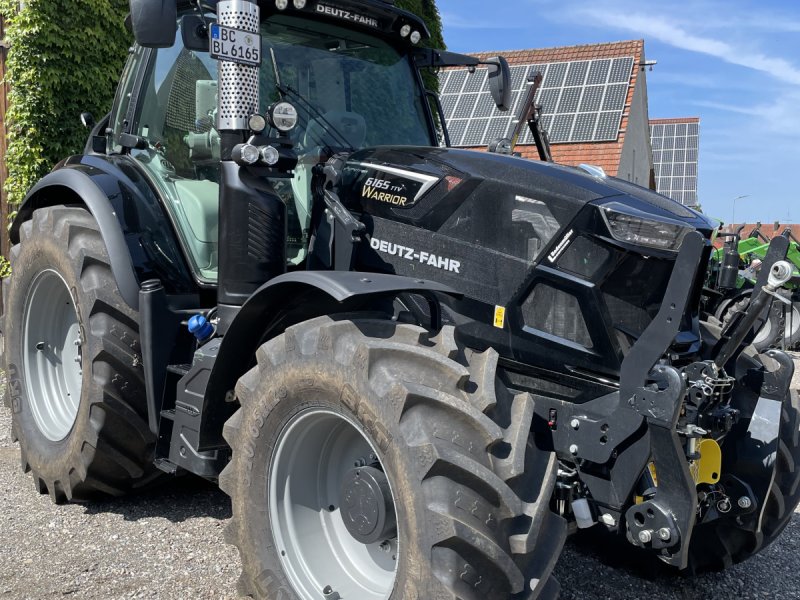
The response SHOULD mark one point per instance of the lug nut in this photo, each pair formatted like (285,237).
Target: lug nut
(664,533)
(645,536)
(744,502)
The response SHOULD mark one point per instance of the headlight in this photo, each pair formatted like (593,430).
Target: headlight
(641,231)
(245,154)
(257,123)
(283,116)
(270,155)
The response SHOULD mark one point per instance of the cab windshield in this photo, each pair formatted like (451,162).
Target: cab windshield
(352,90)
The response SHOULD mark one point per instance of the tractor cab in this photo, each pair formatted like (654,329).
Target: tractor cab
(351,75)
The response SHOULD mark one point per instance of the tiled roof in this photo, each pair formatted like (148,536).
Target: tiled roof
(603,154)
(633,48)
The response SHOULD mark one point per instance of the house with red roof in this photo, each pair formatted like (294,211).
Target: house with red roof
(594,106)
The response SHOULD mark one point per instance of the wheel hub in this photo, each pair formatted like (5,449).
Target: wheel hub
(367,506)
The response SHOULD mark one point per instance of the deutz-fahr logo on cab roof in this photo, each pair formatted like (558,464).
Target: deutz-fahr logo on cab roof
(347,15)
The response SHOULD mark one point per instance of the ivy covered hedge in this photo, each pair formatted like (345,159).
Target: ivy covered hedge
(428,10)
(65,58)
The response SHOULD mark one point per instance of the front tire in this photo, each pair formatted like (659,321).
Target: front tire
(469,490)
(73,363)
(720,544)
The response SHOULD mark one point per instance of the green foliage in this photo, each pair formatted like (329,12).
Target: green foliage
(5,267)
(430,13)
(65,58)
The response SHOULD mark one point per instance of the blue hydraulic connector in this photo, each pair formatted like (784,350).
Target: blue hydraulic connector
(200,328)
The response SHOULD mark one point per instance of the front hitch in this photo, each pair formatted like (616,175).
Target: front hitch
(612,439)
(610,445)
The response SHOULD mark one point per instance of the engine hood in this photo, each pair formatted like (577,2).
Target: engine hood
(409,179)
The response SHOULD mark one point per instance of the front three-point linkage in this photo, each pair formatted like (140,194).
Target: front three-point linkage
(655,427)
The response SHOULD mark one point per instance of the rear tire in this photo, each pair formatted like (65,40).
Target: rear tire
(471,491)
(77,394)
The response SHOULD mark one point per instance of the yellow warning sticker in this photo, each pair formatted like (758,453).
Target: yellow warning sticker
(500,317)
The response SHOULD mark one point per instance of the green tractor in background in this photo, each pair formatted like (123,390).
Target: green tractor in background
(732,277)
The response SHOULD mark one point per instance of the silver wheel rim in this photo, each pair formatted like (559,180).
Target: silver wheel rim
(765,332)
(319,556)
(792,322)
(51,355)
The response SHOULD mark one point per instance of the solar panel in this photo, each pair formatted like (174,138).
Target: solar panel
(476,81)
(675,149)
(582,101)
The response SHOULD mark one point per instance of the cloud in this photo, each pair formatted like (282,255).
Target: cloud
(690,79)
(777,117)
(774,23)
(675,35)
(456,21)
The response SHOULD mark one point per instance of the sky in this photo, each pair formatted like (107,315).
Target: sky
(734,64)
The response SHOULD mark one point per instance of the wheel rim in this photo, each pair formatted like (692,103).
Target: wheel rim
(315,452)
(792,322)
(51,355)
(765,333)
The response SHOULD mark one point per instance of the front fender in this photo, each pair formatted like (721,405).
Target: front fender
(284,301)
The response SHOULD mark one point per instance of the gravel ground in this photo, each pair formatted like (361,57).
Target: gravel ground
(168,544)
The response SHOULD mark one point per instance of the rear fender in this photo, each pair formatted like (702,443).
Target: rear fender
(141,244)
(69,186)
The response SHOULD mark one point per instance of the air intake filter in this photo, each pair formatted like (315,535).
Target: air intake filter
(238,84)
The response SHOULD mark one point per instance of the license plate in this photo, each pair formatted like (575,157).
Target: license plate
(235,45)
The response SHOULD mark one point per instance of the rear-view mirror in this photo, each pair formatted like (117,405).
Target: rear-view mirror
(154,22)
(500,82)
(194,31)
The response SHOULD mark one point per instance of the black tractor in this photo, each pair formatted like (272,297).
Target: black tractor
(413,368)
